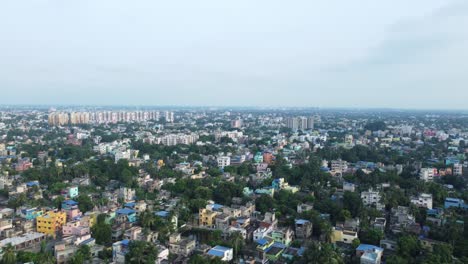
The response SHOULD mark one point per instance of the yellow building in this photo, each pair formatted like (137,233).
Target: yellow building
(161,163)
(51,222)
(207,217)
(342,235)
(89,219)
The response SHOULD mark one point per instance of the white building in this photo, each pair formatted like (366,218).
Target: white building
(174,139)
(224,161)
(423,200)
(339,165)
(457,169)
(126,194)
(348,186)
(260,233)
(371,198)
(226,254)
(169,116)
(122,155)
(427,174)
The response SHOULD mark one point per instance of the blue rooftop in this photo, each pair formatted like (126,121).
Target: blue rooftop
(456,200)
(131,204)
(366,247)
(70,202)
(301,221)
(32,183)
(218,251)
(87,241)
(279,245)
(125,211)
(217,206)
(125,242)
(261,242)
(163,214)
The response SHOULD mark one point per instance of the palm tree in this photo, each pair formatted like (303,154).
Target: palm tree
(237,241)
(9,255)
(326,231)
(147,219)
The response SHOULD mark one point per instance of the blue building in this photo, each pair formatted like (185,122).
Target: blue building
(31,213)
(72,192)
(69,204)
(455,202)
(129,213)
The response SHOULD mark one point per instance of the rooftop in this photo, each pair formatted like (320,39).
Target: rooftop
(21,239)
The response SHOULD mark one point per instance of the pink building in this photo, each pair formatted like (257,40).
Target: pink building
(74,228)
(23,164)
(73,213)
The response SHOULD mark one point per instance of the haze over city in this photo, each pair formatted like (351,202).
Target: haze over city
(386,54)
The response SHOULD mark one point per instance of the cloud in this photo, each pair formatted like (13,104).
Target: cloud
(416,40)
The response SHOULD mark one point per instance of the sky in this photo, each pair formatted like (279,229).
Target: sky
(333,53)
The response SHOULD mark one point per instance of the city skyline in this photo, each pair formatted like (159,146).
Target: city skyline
(244,54)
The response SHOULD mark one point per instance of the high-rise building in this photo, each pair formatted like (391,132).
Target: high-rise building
(300,123)
(310,123)
(292,123)
(237,123)
(58,119)
(169,116)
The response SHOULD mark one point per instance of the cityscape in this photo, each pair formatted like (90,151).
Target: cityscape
(233,186)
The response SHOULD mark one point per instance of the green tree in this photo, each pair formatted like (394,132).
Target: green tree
(356,242)
(147,219)
(9,255)
(102,232)
(85,203)
(408,246)
(141,252)
(395,259)
(322,253)
(371,236)
(85,251)
(352,202)
(237,242)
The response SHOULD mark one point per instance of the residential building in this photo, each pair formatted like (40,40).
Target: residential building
(119,250)
(343,235)
(339,165)
(51,222)
(260,233)
(126,215)
(207,218)
(349,187)
(369,254)
(372,198)
(223,161)
(304,208)
(181,246)
(455,202)
(283,235)
(427,174)
(224,253)
(25,241)
(303,228)
(423,200)
(458,169)
(380,223)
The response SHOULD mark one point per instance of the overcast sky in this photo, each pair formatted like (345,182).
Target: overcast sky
(329,53)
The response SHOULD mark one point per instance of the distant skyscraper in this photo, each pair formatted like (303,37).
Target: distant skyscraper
(292,123)
(300,123)
(169,116)
(237,123)
(310,123)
